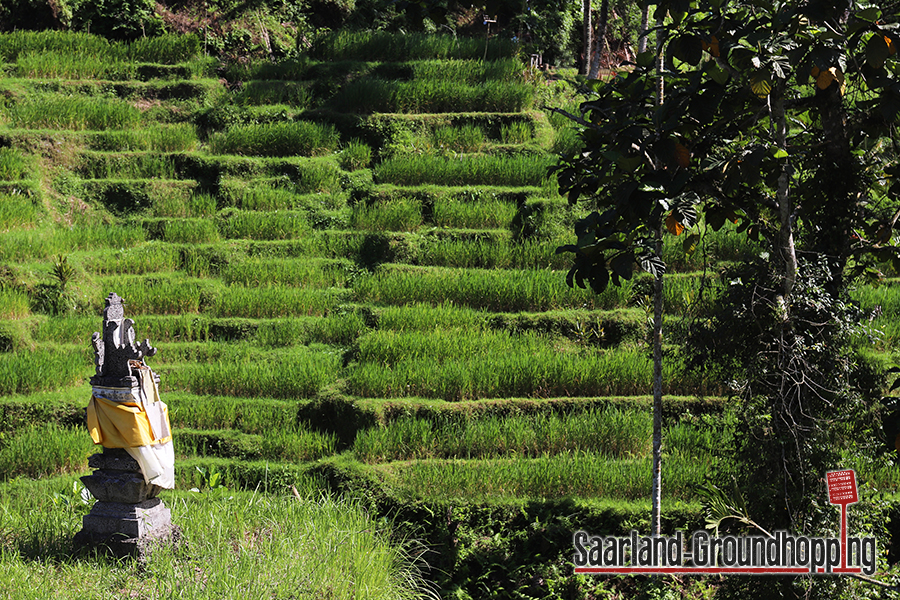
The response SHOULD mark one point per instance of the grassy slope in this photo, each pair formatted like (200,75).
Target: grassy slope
(370,300)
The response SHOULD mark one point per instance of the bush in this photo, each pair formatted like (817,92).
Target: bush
(118,19)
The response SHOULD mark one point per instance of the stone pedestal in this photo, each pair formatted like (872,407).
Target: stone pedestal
(127,519)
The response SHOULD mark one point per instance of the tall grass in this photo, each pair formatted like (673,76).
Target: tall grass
(151,257)
(432,96)
(299,138)
(66,65)
(178,137)
(612,432)
(424,317)
(498,291)
(400,215)
(493,254)
(190,231)
(460,366)
(235,544)
(45,450)
(294,446)
(472,71)
(286,272)
(72,112)
(259,93)
(465,170)
(467,138)
(16,210)
(197,205)
(14,304)
(23,244)
(27,371)
(168,49)
(569,474)
(13,165)
(296,374)
(257,225)
(271,302)
(383,46)
(141,165)
(490,214)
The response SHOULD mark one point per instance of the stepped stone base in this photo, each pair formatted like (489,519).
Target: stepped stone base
(127,519)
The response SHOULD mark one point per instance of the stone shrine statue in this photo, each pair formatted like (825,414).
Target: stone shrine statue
(127,417)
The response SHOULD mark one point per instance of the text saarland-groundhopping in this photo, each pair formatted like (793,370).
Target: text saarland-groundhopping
(778,554)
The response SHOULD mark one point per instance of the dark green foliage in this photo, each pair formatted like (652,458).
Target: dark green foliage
(119,19)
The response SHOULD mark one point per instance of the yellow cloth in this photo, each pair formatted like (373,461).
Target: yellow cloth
(122,424)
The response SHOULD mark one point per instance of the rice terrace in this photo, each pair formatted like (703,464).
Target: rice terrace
(342,240)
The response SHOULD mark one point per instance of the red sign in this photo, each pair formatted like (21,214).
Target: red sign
(842,487)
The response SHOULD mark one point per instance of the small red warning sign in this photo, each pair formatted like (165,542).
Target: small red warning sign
(842,487)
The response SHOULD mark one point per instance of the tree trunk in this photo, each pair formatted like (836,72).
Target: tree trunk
(786,235)
(599,40)
(588,39)
(645,25)
(656,491)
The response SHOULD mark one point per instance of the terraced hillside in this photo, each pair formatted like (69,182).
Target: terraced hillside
(347,263)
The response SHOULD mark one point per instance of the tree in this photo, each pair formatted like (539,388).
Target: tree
(778,117)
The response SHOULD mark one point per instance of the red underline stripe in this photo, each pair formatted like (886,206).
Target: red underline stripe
(705,570)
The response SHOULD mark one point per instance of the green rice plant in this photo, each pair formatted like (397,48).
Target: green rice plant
(264,194)
(66,65)
(432,96)
(257,225)
(468,138)
(400,215)
(494,254)
(518,132)
(297,94)
(65,329)
(469,71)
(465,170)
(306,273)
(299,373)
(150,257)
(28,371)
(345,44)
(566,142)
(22,42)
(16,210)
(424,317)
(161,293)
(13,165)
(498,291)
(613,432)
(491,214)
(256,415)
(138,165)
(177,137)
(197,205)
(14,304)
(271,302)
(45,450)
(298,446)
(570,474)
(300,138)
(355,155)
(190,231)
(167,49)
(338,329)
(22,244)
(460,366)
(72,112)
